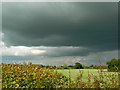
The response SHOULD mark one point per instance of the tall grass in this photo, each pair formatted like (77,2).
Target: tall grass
(105,79)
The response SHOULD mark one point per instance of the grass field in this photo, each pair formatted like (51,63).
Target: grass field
(74,73)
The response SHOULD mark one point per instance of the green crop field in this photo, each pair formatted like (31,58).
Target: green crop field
(74,73)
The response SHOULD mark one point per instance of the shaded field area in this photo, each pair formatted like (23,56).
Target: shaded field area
(35,76)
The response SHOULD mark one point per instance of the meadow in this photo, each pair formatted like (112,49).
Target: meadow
(75,73)
(35,76)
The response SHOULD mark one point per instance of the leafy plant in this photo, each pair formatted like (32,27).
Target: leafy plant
(31,76)
(114,65)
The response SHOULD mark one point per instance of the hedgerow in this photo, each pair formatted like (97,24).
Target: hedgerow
(31,76)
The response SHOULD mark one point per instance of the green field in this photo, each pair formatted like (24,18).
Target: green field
(74,73)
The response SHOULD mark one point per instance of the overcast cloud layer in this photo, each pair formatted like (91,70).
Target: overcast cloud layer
(60,0)
(59,30)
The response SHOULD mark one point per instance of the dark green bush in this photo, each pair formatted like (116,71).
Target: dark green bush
(78,66)
(114,65)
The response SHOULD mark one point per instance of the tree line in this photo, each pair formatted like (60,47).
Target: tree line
(111,65)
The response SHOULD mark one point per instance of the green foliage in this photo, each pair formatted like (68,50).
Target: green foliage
(92,78)
(71,66)
(30,76)
(24,63)
(65,66)
(92,65)
(113,65)
(78,66)
(29,63)
(41,76)
(35,76)
(95,67)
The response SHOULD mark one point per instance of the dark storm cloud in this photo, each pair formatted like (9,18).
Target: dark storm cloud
(64,51)
(94,58)
(92,25)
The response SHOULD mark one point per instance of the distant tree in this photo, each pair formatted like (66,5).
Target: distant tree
(78,66)
(70,66)
(42,65)
(65,66)
(47,66)
(85,67)
(114,65)
(92,65)
(24,63)
(29,63)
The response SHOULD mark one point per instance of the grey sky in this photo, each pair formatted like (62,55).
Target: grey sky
(60,0)
(86,27)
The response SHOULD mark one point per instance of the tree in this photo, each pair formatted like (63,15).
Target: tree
(24,63)
(65,66)
(78,66)
(91,65)
(71,66)
(29,63)
(113,64)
